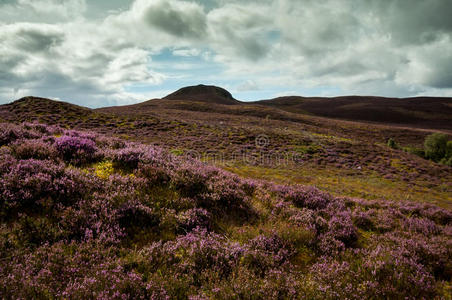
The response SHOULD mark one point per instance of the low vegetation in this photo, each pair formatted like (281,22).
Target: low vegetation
(89,216)
(438,148)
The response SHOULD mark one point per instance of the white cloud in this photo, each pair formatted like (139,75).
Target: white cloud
(45,11)
(249,85)
(52,48)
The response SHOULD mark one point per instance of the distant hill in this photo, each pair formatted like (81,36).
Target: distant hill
(427,112)
(203,93)
(42,109)
(420,112)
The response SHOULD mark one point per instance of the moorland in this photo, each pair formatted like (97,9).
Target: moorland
(199,195)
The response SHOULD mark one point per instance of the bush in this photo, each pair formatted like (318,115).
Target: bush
(194,218)
(76,150)
(134,216)
(449,149)
(383,273)
(392,144)
(436,146)
(447,160)
(309,197)
(33,183)
(37,148)
(128,158)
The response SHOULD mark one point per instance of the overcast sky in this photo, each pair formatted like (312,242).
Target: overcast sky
(111,52)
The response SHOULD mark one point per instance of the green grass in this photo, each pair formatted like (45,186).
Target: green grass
(343,182)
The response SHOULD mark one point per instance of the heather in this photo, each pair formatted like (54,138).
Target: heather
(90,216)
(343,158)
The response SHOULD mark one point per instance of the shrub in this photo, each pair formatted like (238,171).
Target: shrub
(436,146)
(154,174)
(191,180)
(38,149)
(266,252)
(384,273)
(363,219)
(9,133)
(309,197)
(424,226)
(70,271)
(449,149)
(134,216)
(32,183)
(76,150)
(72,232)
(194,218)
(127,158)
(392,144)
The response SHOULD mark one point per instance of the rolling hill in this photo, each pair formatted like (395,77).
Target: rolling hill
(321,149)
(422,112)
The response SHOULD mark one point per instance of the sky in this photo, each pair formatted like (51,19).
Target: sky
(114,52)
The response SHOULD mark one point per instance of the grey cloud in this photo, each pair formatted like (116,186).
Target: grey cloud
(317,27)
(242,30)
(186,21)
(45,11)
(414,21)
(65,61)
(247,46)
(33,39)
(438,64)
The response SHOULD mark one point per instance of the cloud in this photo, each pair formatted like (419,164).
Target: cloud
(413,22)
(46,11)
(249,85)
(74,49)
(429,65)
(62,61)
(240,30)
(177,18)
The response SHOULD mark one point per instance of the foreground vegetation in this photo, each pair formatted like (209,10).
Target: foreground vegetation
(88,216)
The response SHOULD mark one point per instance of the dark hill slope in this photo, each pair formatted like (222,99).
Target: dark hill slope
(36,109)
(203,93)
(42,109)
(427,112)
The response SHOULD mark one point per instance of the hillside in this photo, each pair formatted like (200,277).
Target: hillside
(42,109)
(89,216)
(422,112)
(203,93)
(297,148)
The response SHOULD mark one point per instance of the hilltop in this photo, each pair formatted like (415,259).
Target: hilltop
(34,108)
(204,93)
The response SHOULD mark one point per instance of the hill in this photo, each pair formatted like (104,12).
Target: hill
(42,109)
(423,112)
(297,148)
(203,93)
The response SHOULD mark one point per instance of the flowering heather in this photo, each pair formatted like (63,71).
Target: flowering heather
(34,148)
(194,218)
(76,149)
(88,216)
